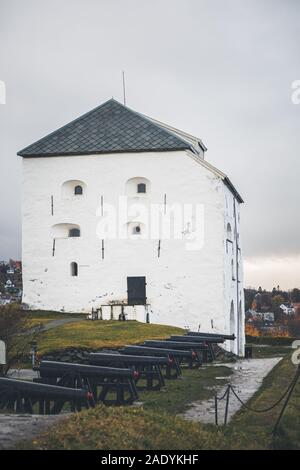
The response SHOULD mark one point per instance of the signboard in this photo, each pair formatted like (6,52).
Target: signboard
(2,353)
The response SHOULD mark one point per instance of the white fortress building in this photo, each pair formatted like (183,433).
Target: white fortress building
(122,215)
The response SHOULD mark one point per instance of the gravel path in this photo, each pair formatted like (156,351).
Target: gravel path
(55,323)
(246,379)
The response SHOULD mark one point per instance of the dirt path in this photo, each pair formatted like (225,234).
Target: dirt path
(55,323)
(246,379)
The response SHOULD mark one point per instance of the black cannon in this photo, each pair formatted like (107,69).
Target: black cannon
(175,357)
(211,344)
(196,348)
(148,368)
(198,345)
(197,339)
(107,384)
(211,335)
(28,397)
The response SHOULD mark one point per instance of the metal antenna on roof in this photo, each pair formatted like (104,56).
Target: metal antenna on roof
(124,89)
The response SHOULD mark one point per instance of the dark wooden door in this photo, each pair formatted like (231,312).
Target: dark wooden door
(136,290)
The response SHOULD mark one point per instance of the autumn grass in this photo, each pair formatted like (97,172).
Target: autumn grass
(259,426)
(42,317)
(194,385)
(157,425)
(126,429)
(101,334)
(260,352)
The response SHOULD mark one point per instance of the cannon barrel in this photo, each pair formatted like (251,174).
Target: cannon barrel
(148,351)
(211,335)
(59,369)
(196,339)
(176,345)
(127,359)
(51,392)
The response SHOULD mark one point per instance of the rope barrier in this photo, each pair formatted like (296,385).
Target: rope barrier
(288,393)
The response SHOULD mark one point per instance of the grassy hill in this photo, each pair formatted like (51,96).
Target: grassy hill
(158,426)
(101,334)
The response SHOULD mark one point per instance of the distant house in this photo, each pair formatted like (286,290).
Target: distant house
(9,285)
(287,309)
(16,265)
(296,305)
(10,271)
(266,317)
(250,314)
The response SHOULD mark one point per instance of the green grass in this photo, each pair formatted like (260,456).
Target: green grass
(101,334)
(158,426)
(269,351)
(126,429)
(270,340)
(259,426)
(195,384)
(41,317)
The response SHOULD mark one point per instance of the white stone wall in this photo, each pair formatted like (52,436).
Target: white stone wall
(185,288)
(234,279)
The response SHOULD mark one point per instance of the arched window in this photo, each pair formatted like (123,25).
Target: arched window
(138,187)
(232,270)
(229,241)
(141,188)
(232,326)
(78,191)
(73,188)
(229,232)
(74,269)
(74,232)
(136,230)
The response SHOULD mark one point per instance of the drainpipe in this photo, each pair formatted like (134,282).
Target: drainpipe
(237,273)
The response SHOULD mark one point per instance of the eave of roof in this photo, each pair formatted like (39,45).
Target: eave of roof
(218,173)
(233,189)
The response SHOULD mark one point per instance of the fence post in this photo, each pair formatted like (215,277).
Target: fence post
(227,405)
(216,410)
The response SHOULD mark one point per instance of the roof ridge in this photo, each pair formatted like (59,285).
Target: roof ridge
(155,123)
(107,132)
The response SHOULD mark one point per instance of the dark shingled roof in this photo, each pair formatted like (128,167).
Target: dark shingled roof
(109,128)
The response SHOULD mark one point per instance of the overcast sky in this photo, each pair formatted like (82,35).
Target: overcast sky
(219,69)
